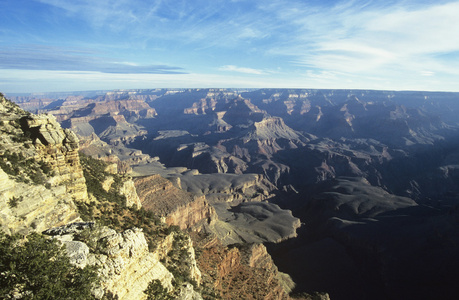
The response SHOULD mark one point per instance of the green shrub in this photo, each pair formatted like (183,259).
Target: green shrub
(14,201)
(111,210)
(38,268)
(16,164)
(155,291)
(94,173)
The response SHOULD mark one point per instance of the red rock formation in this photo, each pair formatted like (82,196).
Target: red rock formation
(243,272)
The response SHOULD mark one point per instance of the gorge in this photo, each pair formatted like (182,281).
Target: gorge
(353,192)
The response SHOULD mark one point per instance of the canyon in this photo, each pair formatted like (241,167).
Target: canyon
(353,192)
(47,186)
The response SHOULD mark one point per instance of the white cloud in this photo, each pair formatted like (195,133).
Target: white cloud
(379,42)
(232,68)
(432,29)
(427,73)
(389,44)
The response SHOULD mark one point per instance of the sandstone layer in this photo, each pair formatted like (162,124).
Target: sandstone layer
(176,206)
(44,173)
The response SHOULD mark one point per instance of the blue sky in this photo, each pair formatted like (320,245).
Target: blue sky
(60,45)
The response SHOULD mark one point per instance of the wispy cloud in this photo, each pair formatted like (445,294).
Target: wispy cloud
(207,23)
(113,13)
(337,43)
(237,69)
(370,39)
(35,57)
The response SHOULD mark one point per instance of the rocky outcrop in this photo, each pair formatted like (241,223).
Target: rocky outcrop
(124,262)
(258,257)
(40,173)
(243,272)
(209,103)
(175,205)
(90,109)
(228,187)
(126,188)
(253,222)
(192,214)
(59,148)
(127,266)
(201,106)
(129,191)
(25,208)
(273,128)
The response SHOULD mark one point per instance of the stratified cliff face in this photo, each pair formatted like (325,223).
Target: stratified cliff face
(40,173)
(127,266)
(41,179)
(228,187)
(59,148)
(178,207)
(25,208)
(129,191)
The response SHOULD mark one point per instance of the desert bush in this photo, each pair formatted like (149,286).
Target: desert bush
(94,173)
(14,201)
(38,268)
(155,291)
(15,164)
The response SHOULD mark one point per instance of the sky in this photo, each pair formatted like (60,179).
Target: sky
(77,45)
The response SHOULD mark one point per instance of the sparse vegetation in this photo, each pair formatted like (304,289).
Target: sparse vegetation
(155,291)
(110,209)
(14,201)
(89,236)
(94,173)
(38,268)
(25,169)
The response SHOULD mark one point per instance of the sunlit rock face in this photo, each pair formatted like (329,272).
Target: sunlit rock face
(244,271)
(59,148)
(44,173)
(175,205)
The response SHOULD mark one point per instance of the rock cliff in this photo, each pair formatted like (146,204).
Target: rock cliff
(59,149)
(242,272)
(124,262)
(176,206)
(25,208)
(40,172)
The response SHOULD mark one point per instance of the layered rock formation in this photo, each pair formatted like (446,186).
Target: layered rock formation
(243,272)
(235,213)
(127,266)
(345,161)
(59,148)
(25,208)
(176,206)
(36,149)
(228,187)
